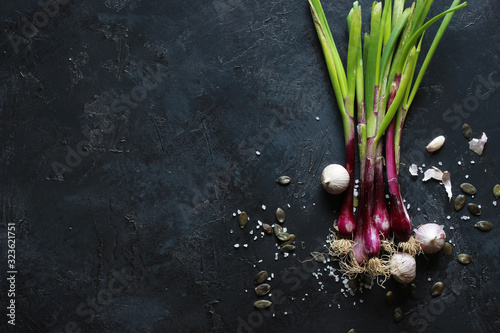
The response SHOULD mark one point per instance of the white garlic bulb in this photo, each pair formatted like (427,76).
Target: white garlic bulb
(335,179)
(435,144)
(431,237)
(403,267)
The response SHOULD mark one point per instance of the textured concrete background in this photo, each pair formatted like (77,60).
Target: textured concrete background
(128,138)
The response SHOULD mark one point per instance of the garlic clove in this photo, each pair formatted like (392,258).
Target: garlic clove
(435,144)
(403,267)
(335,179)
(431,237)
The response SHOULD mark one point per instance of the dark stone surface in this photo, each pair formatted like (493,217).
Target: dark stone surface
(141,222)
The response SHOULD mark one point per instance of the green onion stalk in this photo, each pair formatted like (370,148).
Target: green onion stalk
(344,87)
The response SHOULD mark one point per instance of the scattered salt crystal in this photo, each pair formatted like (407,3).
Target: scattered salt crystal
(408,206)
(317,118)
(246,290)
(418,209)
(466,176)
(285,313)
(245,245)
(257,227)
(448,217)
(259,222)
(440,163)
(494,203)
(286,254)
(251,232)
(451,228)
(387,196)
(255,238)
(262,233)
(260,261)
(257,153)
(479,206)
(472,162)
(272,275)
(288,205)
(429,279)
(276,256)
(459,163)
(285,229)
(239,211)
(234,214)
(236,245)
(263,207)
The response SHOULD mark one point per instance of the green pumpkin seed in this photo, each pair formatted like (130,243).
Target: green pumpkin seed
(288,248)
(262,289)
(353,284)
(260,277)
(496,191)
(280,215)
(389,297)
(413,291)
(277,229)
(459,202)
(290,241)
(447,250)
(351,330)
(467,131)
(267,228)
(319,257)
(398,315)
(464,259)
(284,180)
(283,236)
(262,304)
(468,188)
(484,225)
(437,289)
(243,219)
(474,209)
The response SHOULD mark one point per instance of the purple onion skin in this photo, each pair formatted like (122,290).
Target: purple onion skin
(371,238)
(400,220)
(380,213)
(346,222)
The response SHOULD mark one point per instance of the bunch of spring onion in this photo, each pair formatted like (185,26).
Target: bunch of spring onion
(374,94)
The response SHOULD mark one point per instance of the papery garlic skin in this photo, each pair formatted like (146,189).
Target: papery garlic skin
(403,267)
(335,179)
(435,144)
(431,237)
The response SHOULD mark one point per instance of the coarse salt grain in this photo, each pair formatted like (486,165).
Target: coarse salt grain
(263,207)
(245,245)
(236,245)
(257,153)
(317,118)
